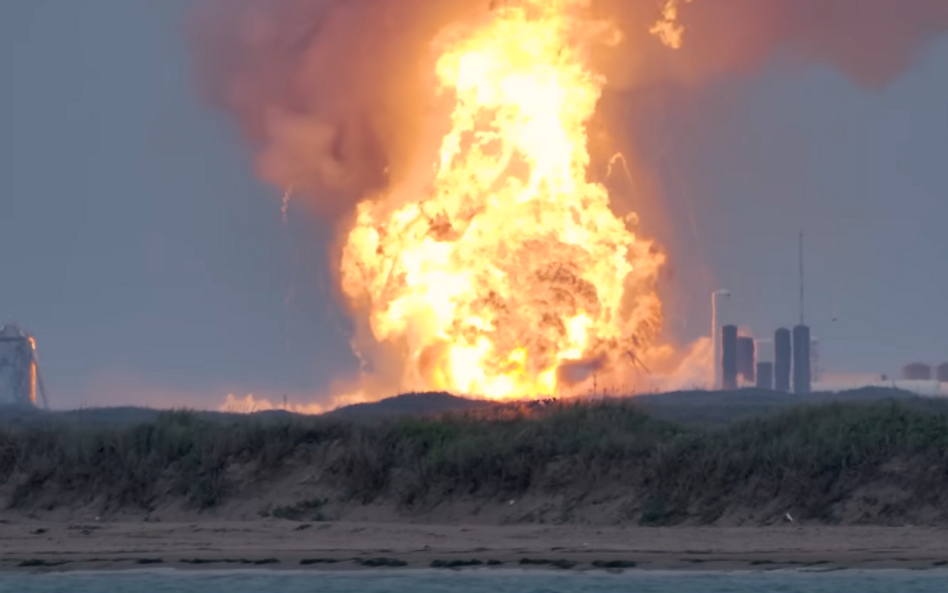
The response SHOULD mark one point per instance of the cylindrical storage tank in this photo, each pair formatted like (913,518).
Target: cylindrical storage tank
(729,357)
(783,353)
(802,377)
(765,375)
(765,351)
(746,359)
(816,372)
(943,373)
(720,316)
(917,371)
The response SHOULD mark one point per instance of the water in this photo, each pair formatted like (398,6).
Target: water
(497,581)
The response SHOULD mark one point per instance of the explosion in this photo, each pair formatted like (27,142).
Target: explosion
(510,268)
(479,251)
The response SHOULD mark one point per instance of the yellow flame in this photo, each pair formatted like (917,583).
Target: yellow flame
(33,382)
(512,264)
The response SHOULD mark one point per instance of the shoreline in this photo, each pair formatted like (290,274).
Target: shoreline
(94,568)
(42,546)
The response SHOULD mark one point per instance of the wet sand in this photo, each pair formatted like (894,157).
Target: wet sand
(44,546)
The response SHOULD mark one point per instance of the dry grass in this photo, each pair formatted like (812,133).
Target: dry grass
(809,458)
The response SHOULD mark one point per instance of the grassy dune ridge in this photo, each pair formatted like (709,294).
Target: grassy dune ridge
(879,462)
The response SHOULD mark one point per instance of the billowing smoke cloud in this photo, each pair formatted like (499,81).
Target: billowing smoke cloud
(335,95)
(872,41)
(332,93)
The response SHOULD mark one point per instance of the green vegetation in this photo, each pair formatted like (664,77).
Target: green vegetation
(806,459)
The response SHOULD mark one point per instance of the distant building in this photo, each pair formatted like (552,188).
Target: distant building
(18,368)
(943,372)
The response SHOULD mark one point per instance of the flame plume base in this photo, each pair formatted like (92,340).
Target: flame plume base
(505,273)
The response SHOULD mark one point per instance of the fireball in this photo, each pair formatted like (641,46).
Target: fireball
(508,275)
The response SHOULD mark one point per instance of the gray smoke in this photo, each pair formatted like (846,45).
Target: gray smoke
(331,93)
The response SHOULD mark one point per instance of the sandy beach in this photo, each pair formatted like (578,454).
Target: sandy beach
(273,544)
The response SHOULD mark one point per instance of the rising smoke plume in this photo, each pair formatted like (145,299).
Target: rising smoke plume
(335,95)
(332,92)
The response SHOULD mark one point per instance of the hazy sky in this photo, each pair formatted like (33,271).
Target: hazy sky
(154,268)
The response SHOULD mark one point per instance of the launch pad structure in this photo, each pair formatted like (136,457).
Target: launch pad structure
(21,384)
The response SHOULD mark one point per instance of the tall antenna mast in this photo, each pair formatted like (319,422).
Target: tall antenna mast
(801,279)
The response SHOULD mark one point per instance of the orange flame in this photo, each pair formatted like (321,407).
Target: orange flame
(510,267)
(33,369)
(250,404)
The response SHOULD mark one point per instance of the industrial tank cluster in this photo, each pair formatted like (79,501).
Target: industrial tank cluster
(788,361)
(918,371)
(750,361)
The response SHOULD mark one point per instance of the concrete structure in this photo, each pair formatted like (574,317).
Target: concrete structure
(942,372)
(783,354)
(802,376)
(721,315)
(729,357)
